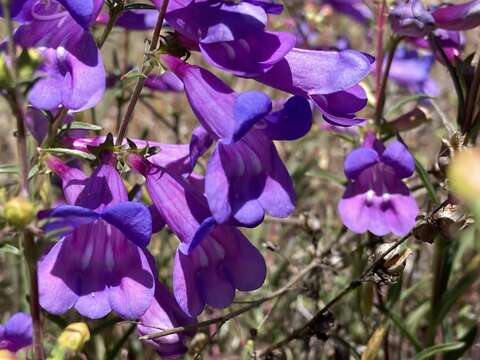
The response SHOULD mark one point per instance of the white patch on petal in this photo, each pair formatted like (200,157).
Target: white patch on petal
(369,196)
(386,197)
(61,54)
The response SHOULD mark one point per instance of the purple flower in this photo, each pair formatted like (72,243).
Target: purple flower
(463,16)
(17,333)
(356,9)
(452,43)
(410,18)
(166,82)
(245,177)
(212,260)
(412,71)
(231,36)
(99,265)
(164,313)
(72,73)
(376,199)
(329,78)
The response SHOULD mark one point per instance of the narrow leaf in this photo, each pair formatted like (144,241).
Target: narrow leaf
(70,152)
(9,169)
(426,182)
(80,125)
(437,349)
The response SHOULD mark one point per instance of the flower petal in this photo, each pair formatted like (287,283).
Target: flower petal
(250,107)
(399,158)
(358,160)
(132,219)
(292,122)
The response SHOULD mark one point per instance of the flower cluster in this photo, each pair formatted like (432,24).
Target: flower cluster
(229,173)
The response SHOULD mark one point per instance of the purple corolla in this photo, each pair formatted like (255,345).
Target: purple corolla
(329,78)
(100,264)
(410,18)
(16,333)
(72,73)
(231,36)
(412,71)
(356,9)
(245,177)
(376,199)
(164,313)
(463,16)
(212,260)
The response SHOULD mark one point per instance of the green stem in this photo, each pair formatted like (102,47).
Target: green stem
(436,46)
(472,101)
(439,285)
(382,94)
(141,79)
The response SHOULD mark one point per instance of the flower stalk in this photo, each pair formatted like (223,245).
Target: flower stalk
(141,79)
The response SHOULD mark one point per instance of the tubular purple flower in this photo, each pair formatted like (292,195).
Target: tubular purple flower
(245,177)
(452,43)
(231,36)
(356,9)
(16,334)
(165,313)
(376,199)
(310,73)
(410,18)
(462,16)
(100,264)
(212,260)
(412,71)
(72,73)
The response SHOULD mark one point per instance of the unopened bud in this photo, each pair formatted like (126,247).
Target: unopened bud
(464,175)
(19,212)
(411,119)
(74,336)
(7,355)
(410,18)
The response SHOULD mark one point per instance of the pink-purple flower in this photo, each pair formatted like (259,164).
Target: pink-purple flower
(376,198)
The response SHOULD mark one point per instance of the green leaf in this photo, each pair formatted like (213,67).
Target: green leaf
(426,182)
(468,339)
(10,249)
(33,171)
(80,125)
(70,152)
(328,176)
(405,101)
(436,349)
(9,169)
(453,295)
(398,322)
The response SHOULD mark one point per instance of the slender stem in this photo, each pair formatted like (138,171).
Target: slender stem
(438,287)
(31,257)
(300,332)
(16,104)
(436,46)
(113,16)
(141,79)
(382,91)
(379,55)
(472,97)
(224,318)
